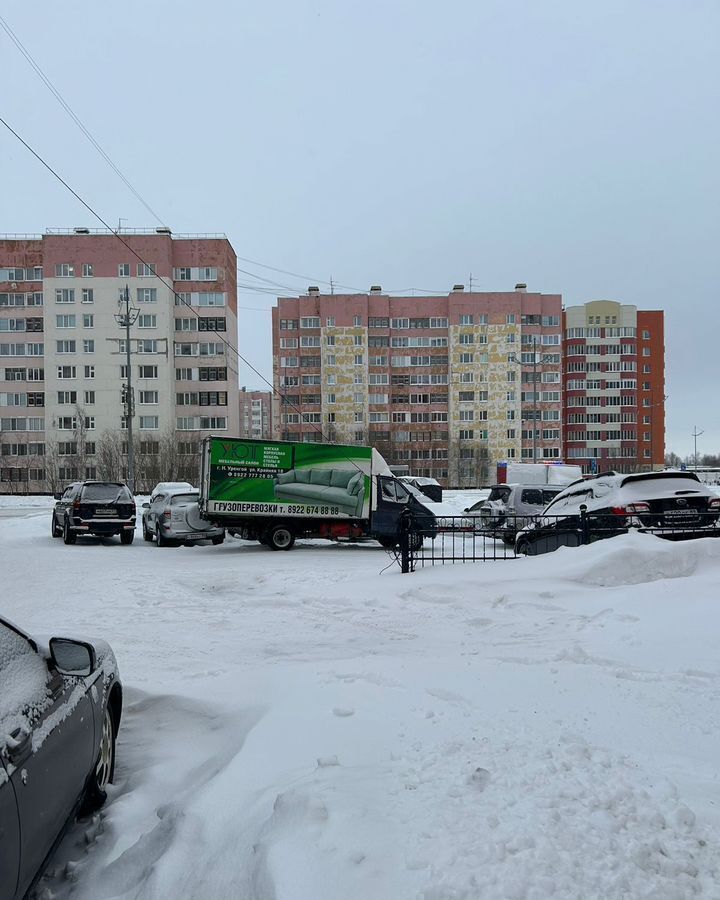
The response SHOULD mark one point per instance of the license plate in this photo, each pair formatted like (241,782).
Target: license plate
(106,512)
(680,513)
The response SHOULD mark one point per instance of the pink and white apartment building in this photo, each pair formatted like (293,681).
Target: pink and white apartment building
(62,354)
(447,385)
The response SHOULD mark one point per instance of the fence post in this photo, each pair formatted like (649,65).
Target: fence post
(584,529)
(405,523)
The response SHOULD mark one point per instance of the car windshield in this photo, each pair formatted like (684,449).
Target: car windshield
(183,499)
(107,493)
(500,493)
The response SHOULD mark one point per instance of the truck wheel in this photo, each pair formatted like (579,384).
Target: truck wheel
(69,537)
(280,538)
(415,541)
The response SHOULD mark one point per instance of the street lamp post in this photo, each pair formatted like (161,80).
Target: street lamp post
(125,320)
(696,434)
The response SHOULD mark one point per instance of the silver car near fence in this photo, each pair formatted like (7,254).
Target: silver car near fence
(172,517)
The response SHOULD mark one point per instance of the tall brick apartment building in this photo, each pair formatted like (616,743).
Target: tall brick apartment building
(62,362)
(445,384)
(614,386)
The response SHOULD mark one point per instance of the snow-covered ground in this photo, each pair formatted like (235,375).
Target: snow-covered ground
(313,725)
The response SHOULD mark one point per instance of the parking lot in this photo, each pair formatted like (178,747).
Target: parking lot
(312,724)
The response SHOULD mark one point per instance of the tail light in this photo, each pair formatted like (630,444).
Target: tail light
(714,504)
(167,513)
(76,504)
(631,509)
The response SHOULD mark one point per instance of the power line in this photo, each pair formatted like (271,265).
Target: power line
(61,100)
(179,299)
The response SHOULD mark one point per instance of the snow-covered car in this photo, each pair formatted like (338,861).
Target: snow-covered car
(60,708)
(164,486)
(173,517)
(510,507)
(675,505)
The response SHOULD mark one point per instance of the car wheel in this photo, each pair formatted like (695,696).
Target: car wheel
(415,541)
(508,540)
(280,538)
(147,535)
(219,539)
(55,529)
(69,537)
(126,537)
(522,547)
(161,542)
(102,774)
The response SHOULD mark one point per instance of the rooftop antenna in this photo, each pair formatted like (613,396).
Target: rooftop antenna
(470,282)
(332,286)
(120,221)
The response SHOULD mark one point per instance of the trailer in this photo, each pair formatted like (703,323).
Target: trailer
(277,491)
(537,473)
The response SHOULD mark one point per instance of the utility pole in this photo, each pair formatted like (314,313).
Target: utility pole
(125,320)
(696,434)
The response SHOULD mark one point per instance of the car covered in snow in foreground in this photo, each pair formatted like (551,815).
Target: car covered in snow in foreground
(60,707)
(673,505)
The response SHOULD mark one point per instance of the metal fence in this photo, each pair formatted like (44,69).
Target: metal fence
(462,538)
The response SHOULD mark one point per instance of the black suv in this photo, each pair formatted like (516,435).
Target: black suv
(100,508)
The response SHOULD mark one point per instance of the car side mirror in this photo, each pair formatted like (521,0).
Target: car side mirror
(72,657)
(467,509)
(57,495)
(146,506)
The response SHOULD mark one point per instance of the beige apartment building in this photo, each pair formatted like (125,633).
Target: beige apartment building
(447,385)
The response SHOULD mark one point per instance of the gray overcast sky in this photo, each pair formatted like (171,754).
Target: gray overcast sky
(570,145)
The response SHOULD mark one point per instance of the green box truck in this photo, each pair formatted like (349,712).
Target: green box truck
(275,491)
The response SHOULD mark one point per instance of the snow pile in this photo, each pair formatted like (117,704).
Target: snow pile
(299,726)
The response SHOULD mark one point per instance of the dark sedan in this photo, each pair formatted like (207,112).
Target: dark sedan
(60,707)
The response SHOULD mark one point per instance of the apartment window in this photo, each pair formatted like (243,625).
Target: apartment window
(147,371)
(329,340)
(88,295)
(288,362)
(67,397)
(466,319)
(358,397)
(467,415)
(64,270)
(310,341)
(147,295)
(90,398)
(330,322)
(288,324)
(510,415)
(148,320)
(466,357)
(646,369)
(87,270)
(184,273)
(64,321)
(331,416)
(466,434)
(646,335)
(357,320)
(330,359)
(147,345)
(65,295)
(359,417)
(467,339)
(89,371)
(146,270)
(309,321)
(150,423)
(359,359)
(510,319)
(207,273)
(66,423)
(149,397)
(65,346)
(124,270)
(400,323)
(646,351)
(88,346)
(466,396)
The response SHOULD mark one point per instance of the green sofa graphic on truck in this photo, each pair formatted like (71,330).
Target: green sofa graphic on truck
(289,479)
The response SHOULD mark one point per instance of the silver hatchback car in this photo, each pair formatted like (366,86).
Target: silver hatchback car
(172,517)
